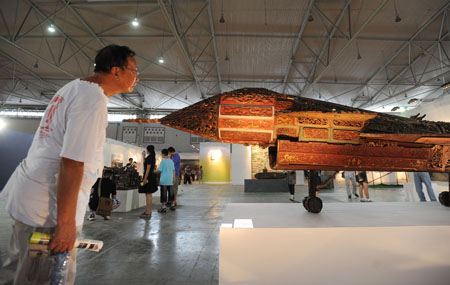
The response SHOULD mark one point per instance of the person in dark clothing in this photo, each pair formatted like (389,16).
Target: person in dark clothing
(149,181)
(107,189)
(292,179)
(363,185)
(187,175)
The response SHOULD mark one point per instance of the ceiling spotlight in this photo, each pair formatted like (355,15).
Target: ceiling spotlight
(359,56)
(397,18)
(412,101)
(135,22)
(222,19)
(161,59)
(36,64)
(227,58)
(395,108)
(51,28)
(310,18)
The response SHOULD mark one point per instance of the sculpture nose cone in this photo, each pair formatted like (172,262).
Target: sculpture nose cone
(200,119)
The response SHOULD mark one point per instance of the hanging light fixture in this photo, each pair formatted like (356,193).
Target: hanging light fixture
(395,109)
(310,18)
(135,21)
(51,28)
(397,17)
(36,64)
(222,19)
(161,59)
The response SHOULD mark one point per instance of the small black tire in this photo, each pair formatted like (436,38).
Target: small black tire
(305,203)
(314,205)
(444,198)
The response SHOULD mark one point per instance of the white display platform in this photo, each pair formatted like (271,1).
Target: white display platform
(131,199)
(347,243)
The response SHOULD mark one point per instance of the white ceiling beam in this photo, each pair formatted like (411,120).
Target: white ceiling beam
(348,43)
(181,44)
(36,8)
(83,21)
(295,47)
(216,53)
(401,93)
(326,44)
(399,50)
(37,57)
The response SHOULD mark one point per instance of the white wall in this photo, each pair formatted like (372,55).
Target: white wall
(123,150)
(241,165)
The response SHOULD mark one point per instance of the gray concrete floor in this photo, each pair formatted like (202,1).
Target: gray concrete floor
(180,247)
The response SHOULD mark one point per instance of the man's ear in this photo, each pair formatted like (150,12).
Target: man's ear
(115,71)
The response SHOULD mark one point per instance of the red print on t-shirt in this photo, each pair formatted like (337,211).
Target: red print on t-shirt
(53,105)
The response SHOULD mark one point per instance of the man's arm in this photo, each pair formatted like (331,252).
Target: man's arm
(67,189)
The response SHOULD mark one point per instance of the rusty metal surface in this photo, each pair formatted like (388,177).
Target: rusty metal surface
(312,134)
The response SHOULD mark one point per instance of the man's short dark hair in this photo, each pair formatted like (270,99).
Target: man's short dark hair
(171,149)
(165,151)
(110,56)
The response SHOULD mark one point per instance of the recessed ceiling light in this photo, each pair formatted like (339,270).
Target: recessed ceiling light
(51,28)
(135,22)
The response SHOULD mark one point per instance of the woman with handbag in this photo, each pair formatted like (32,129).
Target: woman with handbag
(148,185)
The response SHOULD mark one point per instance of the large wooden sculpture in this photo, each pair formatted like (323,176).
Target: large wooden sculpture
(308,134)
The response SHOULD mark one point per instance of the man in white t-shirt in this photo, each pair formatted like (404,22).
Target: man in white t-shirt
(49,190)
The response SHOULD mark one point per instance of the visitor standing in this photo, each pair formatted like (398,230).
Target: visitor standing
(176,162)
(292,180)
(166,181)
(49,190)
(363,185)
(149,181)
(424,177)
(350,178)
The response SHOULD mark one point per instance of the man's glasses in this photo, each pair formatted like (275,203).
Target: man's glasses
(136,72)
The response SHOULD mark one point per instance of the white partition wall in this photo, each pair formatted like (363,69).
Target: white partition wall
(121,151)
(241,164)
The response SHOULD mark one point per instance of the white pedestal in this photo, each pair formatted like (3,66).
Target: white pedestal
(131,199)
(347,243)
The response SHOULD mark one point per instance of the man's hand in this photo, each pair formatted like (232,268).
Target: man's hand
(67,188)
(63,239)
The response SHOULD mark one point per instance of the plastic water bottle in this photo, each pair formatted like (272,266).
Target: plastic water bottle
(60,268)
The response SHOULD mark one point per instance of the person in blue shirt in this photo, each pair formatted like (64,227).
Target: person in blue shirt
(166,180)
(176,161)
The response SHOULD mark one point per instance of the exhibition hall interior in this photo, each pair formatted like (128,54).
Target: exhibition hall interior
(247,142)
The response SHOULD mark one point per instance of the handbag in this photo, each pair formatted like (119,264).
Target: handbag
(104,203)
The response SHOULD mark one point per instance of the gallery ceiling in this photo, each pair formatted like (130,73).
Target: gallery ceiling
(371,54)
